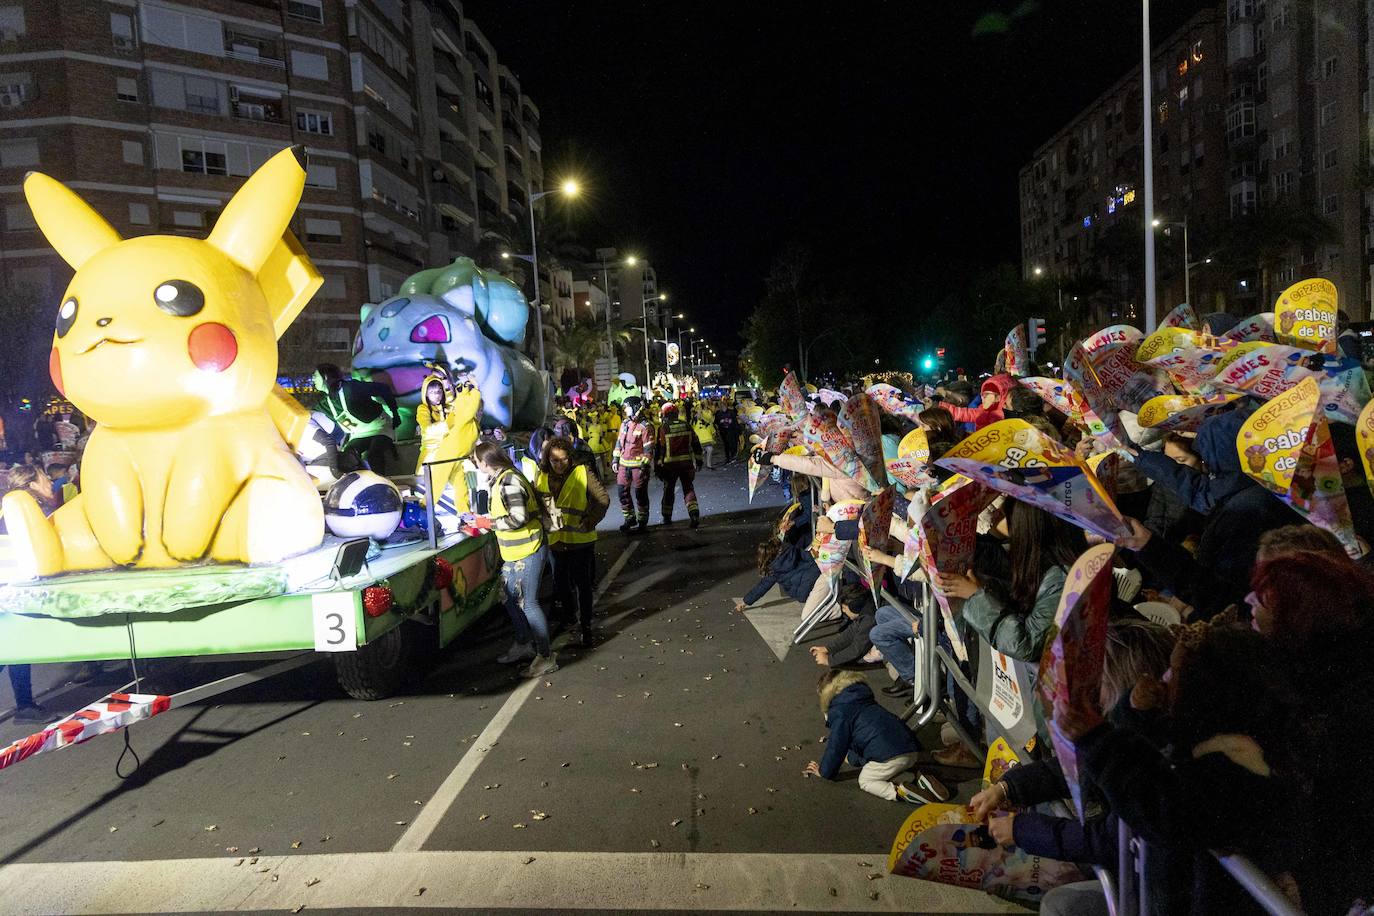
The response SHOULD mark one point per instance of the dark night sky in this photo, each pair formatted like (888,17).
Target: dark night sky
(884,133)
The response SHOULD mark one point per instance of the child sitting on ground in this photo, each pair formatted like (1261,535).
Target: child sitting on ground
(871,738)
(785,564)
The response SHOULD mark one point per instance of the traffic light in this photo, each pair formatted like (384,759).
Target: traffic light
(1035,334)
(927,363)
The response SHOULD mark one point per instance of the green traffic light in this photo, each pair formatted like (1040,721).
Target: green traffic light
(928,363)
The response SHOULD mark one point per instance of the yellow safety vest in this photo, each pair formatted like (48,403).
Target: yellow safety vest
(529,537)
(572,504)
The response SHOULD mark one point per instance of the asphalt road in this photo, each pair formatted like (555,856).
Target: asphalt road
(660,770)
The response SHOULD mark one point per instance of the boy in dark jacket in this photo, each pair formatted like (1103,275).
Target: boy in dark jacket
(869,737)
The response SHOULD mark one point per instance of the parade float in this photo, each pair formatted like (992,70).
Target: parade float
(198,530)
(462,319)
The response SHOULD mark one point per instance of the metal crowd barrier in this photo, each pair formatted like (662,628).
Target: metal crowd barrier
(1126,892)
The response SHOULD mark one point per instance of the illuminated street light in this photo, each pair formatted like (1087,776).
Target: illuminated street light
(570,188)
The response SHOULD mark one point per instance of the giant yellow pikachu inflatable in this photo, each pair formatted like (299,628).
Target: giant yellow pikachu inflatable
(169,344)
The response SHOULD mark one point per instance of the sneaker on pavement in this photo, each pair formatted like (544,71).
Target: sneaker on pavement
(518,652)
(575,638)
(696,521)
(627,528)
(31,712)
(667,519)
(541,665)
(923,790)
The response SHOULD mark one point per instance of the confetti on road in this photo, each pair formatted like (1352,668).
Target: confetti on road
(311,882)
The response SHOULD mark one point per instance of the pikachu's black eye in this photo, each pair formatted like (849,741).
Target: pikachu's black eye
(66,316)
(179,297)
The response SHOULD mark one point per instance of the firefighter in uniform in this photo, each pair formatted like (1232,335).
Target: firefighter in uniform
(631,460)
(677,456)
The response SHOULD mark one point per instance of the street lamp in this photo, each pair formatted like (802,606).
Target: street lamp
(570,189)
(662,297)
(1187,288)
(606,287)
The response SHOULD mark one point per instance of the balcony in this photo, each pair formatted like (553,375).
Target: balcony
(516,194)
(488,186)
(532,134)
(265,111)
(446,72)
(255,49)
(456,157)
(510,125)
(487,147)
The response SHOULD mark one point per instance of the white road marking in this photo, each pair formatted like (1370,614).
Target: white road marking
(615,569)
(775,620)
(485,881)
(420,829)
(424,825)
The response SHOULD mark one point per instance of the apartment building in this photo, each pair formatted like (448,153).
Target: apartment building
(156,111)
(1262,119)
(1081,193)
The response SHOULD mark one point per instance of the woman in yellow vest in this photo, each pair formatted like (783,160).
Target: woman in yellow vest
(517,520)
(575,502)
(448,430)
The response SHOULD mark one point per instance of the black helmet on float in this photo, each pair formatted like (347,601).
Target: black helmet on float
(633,405)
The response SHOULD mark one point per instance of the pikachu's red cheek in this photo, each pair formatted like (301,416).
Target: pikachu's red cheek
(213,347)
(55,370)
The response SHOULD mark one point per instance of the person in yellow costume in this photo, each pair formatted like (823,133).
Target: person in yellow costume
(170,345)
(448,431)
(704,424)
(599,438)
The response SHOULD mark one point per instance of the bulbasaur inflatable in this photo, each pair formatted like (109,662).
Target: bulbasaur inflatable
(469,320)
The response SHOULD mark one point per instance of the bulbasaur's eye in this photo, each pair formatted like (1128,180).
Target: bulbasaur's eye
(179,297)
(66,316)
(433,329)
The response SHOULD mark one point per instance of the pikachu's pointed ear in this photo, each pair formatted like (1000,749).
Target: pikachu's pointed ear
(67,221)
(253,221)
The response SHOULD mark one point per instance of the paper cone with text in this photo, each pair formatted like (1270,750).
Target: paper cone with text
(858,419)
(939,843)
(875,522)
(1017,354)
(893,402)
(1267,370)
(1182,316)
(1182,412)
(1287,448)
(1015,458)
(911,467)
(1071,668)
(1305,315)
(790,397)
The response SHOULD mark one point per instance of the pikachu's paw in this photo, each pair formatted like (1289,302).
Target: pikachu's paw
(36,545)
(270,520)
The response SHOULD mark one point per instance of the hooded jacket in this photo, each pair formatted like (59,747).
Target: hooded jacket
(1237,512)
(979,415)
(860,729)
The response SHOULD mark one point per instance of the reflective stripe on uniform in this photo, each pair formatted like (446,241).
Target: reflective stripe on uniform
(571,501)
(529,537)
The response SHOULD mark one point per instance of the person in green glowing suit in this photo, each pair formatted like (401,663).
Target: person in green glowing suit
(365,411)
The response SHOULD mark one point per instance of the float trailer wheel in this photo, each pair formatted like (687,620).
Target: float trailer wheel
(378,669)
